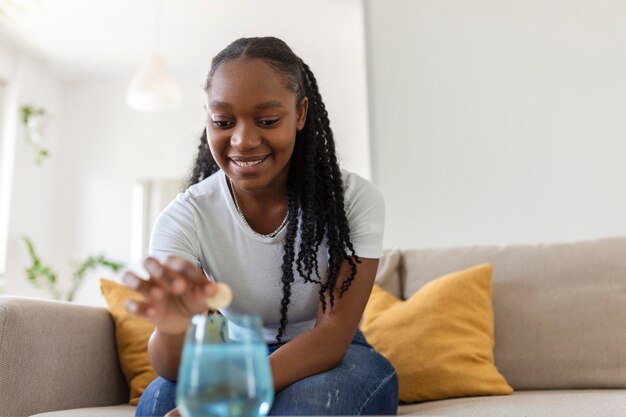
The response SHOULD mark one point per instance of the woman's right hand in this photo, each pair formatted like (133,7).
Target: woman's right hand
(174,292)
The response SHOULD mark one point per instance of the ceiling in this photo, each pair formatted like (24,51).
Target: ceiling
(87,38)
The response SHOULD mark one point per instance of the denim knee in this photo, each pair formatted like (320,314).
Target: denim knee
(364,383)
(384,400)
(158,398)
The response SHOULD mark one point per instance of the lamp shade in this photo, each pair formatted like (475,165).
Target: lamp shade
(153,88)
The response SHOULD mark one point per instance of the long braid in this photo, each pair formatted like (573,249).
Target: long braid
(340,234)
(204,165)
(315,199)
(288,258)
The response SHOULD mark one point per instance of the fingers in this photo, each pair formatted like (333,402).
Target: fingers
(140,308)
(182,265)
(174,285)
(174,275)
(153,312)
(173,413)
(146,288)
(191,271)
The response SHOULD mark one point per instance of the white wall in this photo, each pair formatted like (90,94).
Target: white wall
(8,96)
(498,121)
(31,210)
(106,147)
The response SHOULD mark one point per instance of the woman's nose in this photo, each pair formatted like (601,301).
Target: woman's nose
(245,137)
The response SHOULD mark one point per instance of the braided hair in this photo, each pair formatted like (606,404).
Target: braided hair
(314,185)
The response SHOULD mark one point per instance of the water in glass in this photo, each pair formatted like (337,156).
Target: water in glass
(224,369)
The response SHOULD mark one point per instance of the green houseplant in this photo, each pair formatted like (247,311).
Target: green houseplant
(33,120)
(42,276)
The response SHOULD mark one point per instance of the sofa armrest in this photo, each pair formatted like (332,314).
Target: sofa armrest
(57,355)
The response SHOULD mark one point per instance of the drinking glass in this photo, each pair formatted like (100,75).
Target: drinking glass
(224,369)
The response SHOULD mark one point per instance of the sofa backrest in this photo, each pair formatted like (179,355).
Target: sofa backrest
(55,356)
(559,309)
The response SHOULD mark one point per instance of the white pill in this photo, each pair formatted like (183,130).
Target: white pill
(222,298)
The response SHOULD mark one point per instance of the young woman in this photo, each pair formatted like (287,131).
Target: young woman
(269,212)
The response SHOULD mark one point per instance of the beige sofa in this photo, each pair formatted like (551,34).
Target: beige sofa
(560,331)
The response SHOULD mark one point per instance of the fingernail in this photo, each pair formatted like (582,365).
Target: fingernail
(130,280)
(131,306)
(177,265)
(153,267)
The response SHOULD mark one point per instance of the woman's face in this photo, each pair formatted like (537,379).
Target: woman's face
(252,120)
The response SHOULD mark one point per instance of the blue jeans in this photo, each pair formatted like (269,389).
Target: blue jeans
(363,383)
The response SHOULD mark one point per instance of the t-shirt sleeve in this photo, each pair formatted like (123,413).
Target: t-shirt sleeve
(365,210)
(175,232)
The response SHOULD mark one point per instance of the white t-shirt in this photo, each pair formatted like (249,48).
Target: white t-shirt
(203,226)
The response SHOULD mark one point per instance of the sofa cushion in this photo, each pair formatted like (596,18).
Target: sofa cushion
(568,403)
(441,339)
(123,410)
(560,321)
(131,337)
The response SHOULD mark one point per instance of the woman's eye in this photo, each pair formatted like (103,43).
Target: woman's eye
(270,122)
(222,123)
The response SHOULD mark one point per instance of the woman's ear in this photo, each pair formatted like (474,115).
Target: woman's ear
(301,110)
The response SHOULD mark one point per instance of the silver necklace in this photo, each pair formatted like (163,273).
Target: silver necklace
(269,235)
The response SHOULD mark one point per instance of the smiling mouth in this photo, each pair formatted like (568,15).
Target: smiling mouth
(249,163)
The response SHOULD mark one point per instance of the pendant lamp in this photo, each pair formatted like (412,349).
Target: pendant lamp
(153,88)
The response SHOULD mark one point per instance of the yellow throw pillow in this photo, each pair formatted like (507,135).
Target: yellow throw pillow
(441,339)
(131,336)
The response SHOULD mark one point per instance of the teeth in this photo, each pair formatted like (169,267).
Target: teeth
(248,164)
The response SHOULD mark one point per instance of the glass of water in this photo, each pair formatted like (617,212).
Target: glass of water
(224,369)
